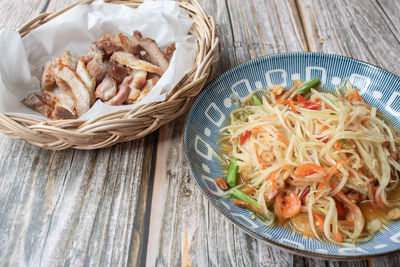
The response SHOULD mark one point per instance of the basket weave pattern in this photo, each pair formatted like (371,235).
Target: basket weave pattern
(124,125)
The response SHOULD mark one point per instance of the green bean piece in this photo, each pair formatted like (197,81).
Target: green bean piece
(232,173)
(256,101)
(306,86)
(239,194)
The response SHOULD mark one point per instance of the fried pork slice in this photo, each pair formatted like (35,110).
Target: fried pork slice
(69,60)
(138,81)
(98,68)
(118,72)
(83,73)
(123,92)
(110,43)
(63,86)
(156,56)
(106,89)
(93,51)
(133,95)
(48,82)
(139,78)
(143,93)
(148,86)
(129,46)
(63,103)
(83,96)
(169,51)
(129,60)
(34,102)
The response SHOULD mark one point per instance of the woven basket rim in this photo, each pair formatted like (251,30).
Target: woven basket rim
(125,123)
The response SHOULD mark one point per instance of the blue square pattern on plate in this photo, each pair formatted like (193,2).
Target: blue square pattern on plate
(209,112)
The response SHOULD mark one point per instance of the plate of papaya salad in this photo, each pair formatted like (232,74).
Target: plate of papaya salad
(302,150)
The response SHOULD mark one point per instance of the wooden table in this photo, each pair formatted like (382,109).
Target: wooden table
(131,204)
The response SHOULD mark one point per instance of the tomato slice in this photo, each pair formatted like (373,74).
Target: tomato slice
(300,99)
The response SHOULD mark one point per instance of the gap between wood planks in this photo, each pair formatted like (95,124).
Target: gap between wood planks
(300,15)
(45,6)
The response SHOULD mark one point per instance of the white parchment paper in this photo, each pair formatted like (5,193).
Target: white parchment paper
(21,60)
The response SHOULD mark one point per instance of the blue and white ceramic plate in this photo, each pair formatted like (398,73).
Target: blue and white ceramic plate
(208,114)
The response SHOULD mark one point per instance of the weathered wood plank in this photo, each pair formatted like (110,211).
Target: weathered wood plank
(351,29)
(390,11)
(14,14)
(71,207)
(55,5)
(178,205)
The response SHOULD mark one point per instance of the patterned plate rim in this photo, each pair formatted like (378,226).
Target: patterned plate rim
(228,216)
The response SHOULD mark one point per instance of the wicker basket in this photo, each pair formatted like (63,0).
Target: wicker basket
(124,125)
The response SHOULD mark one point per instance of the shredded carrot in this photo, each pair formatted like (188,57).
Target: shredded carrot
(329,107)
(245,203)
(349,117)
(338,147)
(334,167)
(350,98)
(273,178)
(364,121)
(258,128)
(356,95)
(249,190)
(282,101)
(328,175)
(324,127)
(319,219)
(347,222)
(263,165)
(283,139)
(307,169)
(291,103)
(338,237)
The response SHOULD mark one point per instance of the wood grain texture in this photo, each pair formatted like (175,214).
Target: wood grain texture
(346,27)
(55,5)
(72,207)
(14,14)
(178,204)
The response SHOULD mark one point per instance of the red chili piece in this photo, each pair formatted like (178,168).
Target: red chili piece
(244,136)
